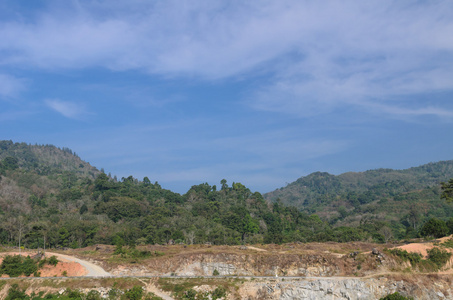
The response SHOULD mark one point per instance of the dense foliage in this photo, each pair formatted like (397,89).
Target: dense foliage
(51,198)
(17,265)
(434,228)
(400,200)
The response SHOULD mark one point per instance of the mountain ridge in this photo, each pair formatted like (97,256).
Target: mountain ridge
(50,192)
(323,193)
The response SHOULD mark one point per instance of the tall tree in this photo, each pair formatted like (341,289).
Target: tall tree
(20,228)
(447,190)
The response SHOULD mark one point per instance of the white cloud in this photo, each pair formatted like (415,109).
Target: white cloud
(10,86)
(321,55)
(68,109)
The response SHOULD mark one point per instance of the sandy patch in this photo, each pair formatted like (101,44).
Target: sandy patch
(423,248)
(71,269)
(257,249)
(417,248)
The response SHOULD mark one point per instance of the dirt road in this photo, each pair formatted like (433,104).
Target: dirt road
(92,269)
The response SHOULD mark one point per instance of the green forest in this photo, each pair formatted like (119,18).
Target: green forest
(50,198)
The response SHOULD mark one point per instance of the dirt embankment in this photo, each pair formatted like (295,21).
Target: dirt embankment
(423,248)
(67,266)
(314,259)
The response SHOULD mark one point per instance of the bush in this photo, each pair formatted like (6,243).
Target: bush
(73,294)
(215,273)
(219,292)
(16,293)
(447,244)
(114,293)
(93,295)
(396,296)
(191,294)
(16,265)
(52,260)
(134,293)
(438,256)
(413,258)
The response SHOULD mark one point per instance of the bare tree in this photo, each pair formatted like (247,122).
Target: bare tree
(190,236)
(21,226)
(387,233)
(10,226)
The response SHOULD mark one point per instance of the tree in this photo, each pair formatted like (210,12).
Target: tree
(450,225)
(447,190)
(20,228)
(102,182)
(11,163)
(146,181)
(83,209)
(435,228)
(239,219)
(224,184)
(386,233)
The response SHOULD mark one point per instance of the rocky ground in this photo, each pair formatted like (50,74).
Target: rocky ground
(293,271)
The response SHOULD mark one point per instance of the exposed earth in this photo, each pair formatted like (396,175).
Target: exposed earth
(65,267)
(290,271)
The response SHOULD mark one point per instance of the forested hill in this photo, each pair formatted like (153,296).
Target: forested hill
(383,194)
(50,194)
(44,159)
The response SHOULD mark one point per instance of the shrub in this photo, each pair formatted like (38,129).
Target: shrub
(93,295)
(52,260)
(73,294)
(29,266)
(191,294)
(215,273)
(413,258)
(396,296)
(219,292)
(447,244)
(16,293)
(438,256)
(42,262)
(16,265)
(114,293)
(134,293)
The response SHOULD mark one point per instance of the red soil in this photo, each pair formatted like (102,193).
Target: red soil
(71,268)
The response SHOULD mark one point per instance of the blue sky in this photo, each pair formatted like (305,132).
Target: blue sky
(257,92)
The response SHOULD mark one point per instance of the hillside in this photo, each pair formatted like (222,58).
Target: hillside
(383,194)
(49,196)
(45,159)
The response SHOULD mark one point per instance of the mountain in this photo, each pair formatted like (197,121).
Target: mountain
(50,195)
(382,194)
(46,159)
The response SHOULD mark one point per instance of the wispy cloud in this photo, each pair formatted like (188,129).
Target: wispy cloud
(10,86)
(260,160)
(319,56)
(68,109)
